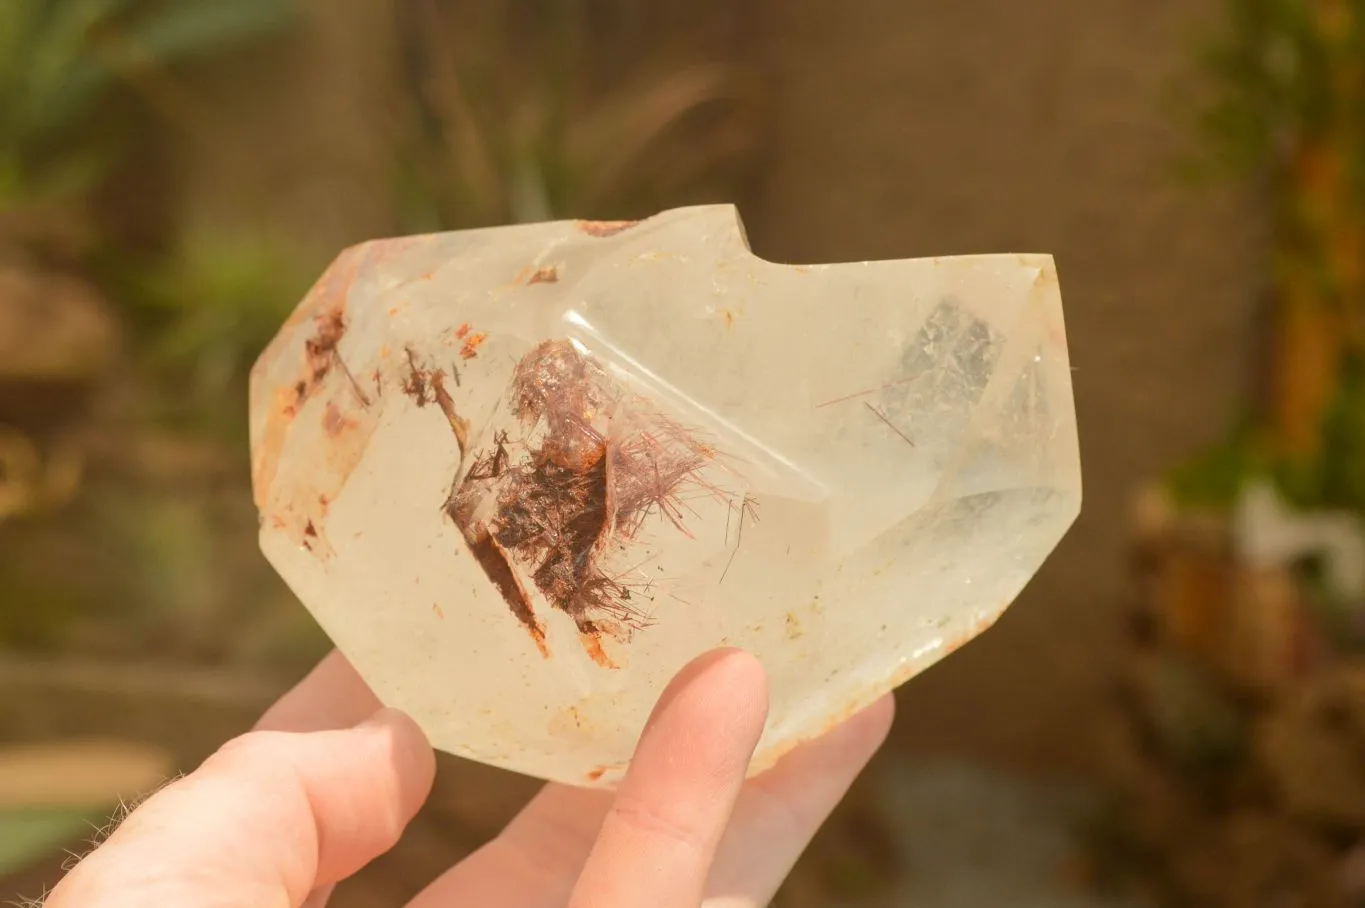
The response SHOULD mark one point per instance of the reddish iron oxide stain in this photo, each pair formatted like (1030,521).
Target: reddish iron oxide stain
(349,415)
(572,496)
(978,628)
(533,275)
(493,558)
(436,608)
(310,533)
(775,755)
(596,774)
(319,352)
(320,358)
(592,645)
(334,422)
(471,345)
(426,386)
(463,330)
(604,228)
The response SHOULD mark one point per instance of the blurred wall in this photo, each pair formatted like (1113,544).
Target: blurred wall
(908,127)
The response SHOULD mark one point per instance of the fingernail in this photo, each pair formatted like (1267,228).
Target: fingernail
(386,717)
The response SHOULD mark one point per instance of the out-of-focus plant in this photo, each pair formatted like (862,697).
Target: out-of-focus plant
(61,60)
(29,481)
(62,64)
(215,303)
(492,149)
(57,793)
(1289,113)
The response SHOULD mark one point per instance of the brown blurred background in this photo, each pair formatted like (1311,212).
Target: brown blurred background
(173,175)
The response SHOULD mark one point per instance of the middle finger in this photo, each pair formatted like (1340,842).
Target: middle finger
(659,837)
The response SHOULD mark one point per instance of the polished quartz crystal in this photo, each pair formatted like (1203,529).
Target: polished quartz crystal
(522,475)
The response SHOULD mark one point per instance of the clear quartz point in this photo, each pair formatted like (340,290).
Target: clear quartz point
(522,475)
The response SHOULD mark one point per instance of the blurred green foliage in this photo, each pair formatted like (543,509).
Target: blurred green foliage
(490,147)
(1275,71)
(1287,114)
(30,834)
(60,60)
(1341,479)
(1214,477)
(211,305)
(192,320)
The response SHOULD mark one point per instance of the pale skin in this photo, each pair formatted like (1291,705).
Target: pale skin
(328,780)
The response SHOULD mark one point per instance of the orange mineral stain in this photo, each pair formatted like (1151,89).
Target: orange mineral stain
(472,344)
(592,644)
(603,228)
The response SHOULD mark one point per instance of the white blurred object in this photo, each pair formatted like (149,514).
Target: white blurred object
(1269,534)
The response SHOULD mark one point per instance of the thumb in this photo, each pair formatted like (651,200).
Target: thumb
(264,821)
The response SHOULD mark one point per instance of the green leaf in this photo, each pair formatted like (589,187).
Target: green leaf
(170,36)
(60,76)
(55,792)
(28,836)
(72,175)
(1216,476)
(18,24)
(1343,466)
(218,301)
(189,28)
(60,58)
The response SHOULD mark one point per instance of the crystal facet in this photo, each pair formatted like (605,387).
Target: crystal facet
(522,475)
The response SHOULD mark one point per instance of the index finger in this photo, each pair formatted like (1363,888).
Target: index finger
(263,821)
(660,836)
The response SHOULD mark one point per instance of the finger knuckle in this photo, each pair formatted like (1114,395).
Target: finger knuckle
(252,746)
(657,821)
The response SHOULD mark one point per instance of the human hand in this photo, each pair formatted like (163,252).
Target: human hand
(329,779)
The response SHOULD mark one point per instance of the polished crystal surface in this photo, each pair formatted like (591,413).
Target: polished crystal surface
(522,475)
